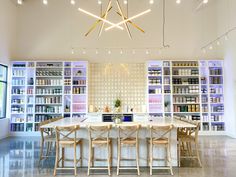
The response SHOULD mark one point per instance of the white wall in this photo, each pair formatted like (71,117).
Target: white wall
(7,40)
(226,20)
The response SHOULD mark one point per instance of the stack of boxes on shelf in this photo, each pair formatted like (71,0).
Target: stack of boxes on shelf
(192,89)
(44,90)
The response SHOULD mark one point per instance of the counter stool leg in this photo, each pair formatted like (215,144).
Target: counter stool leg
(75,161)
(41,151)
(198,156)
(89,159)
(63,157)
(137,157)
(169,159)
(179,153)
(108,159)
(150,157)
(81,154)
(118,158)
(147,153)
(56,160)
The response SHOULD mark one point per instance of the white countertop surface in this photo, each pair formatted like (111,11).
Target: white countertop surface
(83,123)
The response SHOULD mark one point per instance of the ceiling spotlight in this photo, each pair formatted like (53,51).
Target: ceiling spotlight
(72,51)
(45,2)
(151,1)
(178,1)
(205,1)
(109,52)
(211,47)
(99,2)
(19,2)
(218,42)
(125,1)
(147,52)
(121,51)
(96,51)
(72,2)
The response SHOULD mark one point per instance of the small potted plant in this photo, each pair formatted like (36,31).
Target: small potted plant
(117,105)
(117,118)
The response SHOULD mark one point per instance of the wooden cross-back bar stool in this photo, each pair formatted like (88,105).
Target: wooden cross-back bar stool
(159,136)
(188,143)
(128,136)
(98,138)
(66,137)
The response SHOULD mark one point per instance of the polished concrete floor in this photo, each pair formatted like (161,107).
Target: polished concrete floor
(19,158)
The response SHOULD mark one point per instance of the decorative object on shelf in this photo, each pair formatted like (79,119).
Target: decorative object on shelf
(103,18)
(167,103)
(106,109)
(117,118)
(117,105)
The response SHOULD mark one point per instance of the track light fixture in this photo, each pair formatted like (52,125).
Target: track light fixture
(20,2)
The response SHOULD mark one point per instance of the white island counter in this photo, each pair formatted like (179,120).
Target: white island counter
(144,133)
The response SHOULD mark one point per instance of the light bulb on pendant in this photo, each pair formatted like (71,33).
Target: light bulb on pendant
(19,2)
(178,1)
(45,2)
(151,1)
(72,2)
(226,37)
(72,51)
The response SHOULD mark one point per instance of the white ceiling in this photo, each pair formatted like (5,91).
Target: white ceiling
(49,32)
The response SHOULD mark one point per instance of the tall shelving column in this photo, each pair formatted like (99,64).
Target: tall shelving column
(204,85)
(185,82)
(216,91)
(155,88)
(67,89)
(49,87)
(18,96)
(30,96)
(167,100)
(79,88)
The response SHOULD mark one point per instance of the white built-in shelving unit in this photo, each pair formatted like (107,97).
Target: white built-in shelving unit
(45,90)
(190,89)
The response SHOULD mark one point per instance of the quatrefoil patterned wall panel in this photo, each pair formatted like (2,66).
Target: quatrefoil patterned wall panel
(107,82)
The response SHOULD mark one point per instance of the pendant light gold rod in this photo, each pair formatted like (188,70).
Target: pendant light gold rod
(105,17)
(122,15)
(99,18)
(131,18)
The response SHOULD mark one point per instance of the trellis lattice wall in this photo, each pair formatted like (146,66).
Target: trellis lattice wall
(107,82)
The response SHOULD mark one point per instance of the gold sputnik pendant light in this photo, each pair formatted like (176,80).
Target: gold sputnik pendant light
(102,19)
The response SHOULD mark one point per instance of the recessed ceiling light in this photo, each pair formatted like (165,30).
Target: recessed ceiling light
(178,1)
(109,52)
(45,2)
(96,51)
(72,2)
(99,2)
(151,1)
(125,1)
(205,1)
(19,2)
